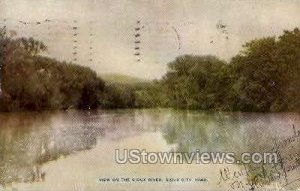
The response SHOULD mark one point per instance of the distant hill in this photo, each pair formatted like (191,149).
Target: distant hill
(116,78)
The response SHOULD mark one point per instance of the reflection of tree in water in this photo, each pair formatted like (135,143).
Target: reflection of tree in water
(191,131)
(217,131)
(238,133)
(186,130)
(26,142)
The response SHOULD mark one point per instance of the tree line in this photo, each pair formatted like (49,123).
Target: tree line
(264,76)
(30,81)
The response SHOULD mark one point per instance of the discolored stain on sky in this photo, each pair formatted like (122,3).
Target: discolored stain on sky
(102,34)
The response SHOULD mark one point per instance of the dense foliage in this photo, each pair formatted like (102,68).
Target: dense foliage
(264,76)
(33,82)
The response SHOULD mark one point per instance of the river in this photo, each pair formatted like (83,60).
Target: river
(75,150)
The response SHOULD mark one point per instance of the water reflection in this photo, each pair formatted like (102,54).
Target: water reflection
(240,133)
(227,132)
(27,140)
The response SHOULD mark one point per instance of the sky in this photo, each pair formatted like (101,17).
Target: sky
(140,37)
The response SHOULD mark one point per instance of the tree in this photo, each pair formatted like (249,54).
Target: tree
(267,73)
(195,82)
(32,47)
(288,51)
(258,78)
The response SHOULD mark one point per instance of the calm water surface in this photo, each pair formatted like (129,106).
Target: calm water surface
(38,149)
